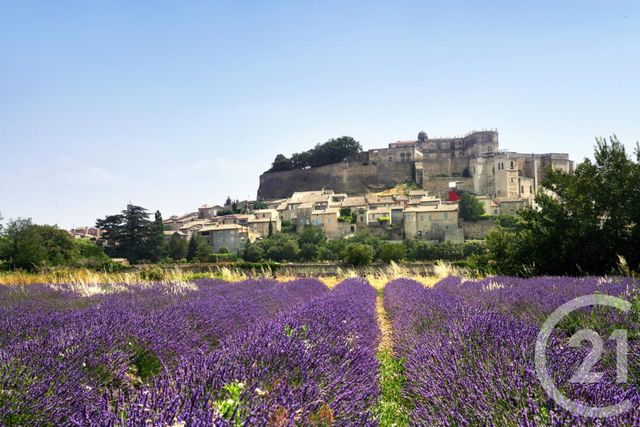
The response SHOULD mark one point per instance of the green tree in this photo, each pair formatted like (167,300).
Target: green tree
(280,247)
(177,248)
(309,252)
(358,254)
(312,235)
(28,246)
(253,253)
(391,252)
(281,163)
(156,246)
(583,221)
(198,250)
(470,208)
(91,255)
(334,150)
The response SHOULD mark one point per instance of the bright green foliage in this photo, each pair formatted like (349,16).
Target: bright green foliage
(177,248)
(470,208)
(419,250)
(228,406)
(391,252)
(24,245)
(312,235)
(358,254)
(584,221)
(393,408)
(333,151)
(198,250)
(384,220)
(253,252)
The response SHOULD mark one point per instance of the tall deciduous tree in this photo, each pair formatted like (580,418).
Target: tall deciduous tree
(470,208)
(584,221)
(28,246)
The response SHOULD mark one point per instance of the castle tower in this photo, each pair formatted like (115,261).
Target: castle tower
(422,136)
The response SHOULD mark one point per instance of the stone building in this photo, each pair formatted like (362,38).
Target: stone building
(232,237)
(475,159)
(265,221)
(430,222)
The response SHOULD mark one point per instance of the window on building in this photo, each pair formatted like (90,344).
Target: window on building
(390,158)
(511,165)
(522,188)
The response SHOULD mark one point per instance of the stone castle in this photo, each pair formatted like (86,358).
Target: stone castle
(473,162)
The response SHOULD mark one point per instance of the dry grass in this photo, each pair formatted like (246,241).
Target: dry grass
(377,276)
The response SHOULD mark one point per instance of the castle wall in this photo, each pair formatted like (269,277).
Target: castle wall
(446,167)
(439,186)
(345,177)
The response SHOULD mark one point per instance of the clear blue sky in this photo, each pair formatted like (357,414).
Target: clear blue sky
(173,104)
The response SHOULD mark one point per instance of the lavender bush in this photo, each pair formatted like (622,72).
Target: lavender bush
(62,355)
(314,365)
(468,348)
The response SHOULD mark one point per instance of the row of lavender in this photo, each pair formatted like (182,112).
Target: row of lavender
(468,348)
(315,365)
(60,352)
(215,353)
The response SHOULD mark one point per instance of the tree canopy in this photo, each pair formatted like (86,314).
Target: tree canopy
(584,222)
(28,246)
(132,235)
(334,150)
(470,208)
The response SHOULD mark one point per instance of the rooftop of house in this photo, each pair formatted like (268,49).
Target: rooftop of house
(172,232)
(328,211)
(224,227)
(261,211)
(309,196)
(259,220)
(380,199)
(197,223)
(500,200)
(354,201)
(441,208)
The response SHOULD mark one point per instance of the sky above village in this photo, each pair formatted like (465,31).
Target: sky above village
(173,104)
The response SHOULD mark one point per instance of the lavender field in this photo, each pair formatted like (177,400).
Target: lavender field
(267,353)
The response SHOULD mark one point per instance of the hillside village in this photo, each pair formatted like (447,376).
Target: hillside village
(340,199)
(418,184)
(416,215)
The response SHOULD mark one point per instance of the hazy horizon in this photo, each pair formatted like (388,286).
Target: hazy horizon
(174,105)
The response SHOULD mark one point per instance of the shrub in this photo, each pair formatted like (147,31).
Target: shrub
(391,252)
(358,254)
(471,209)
